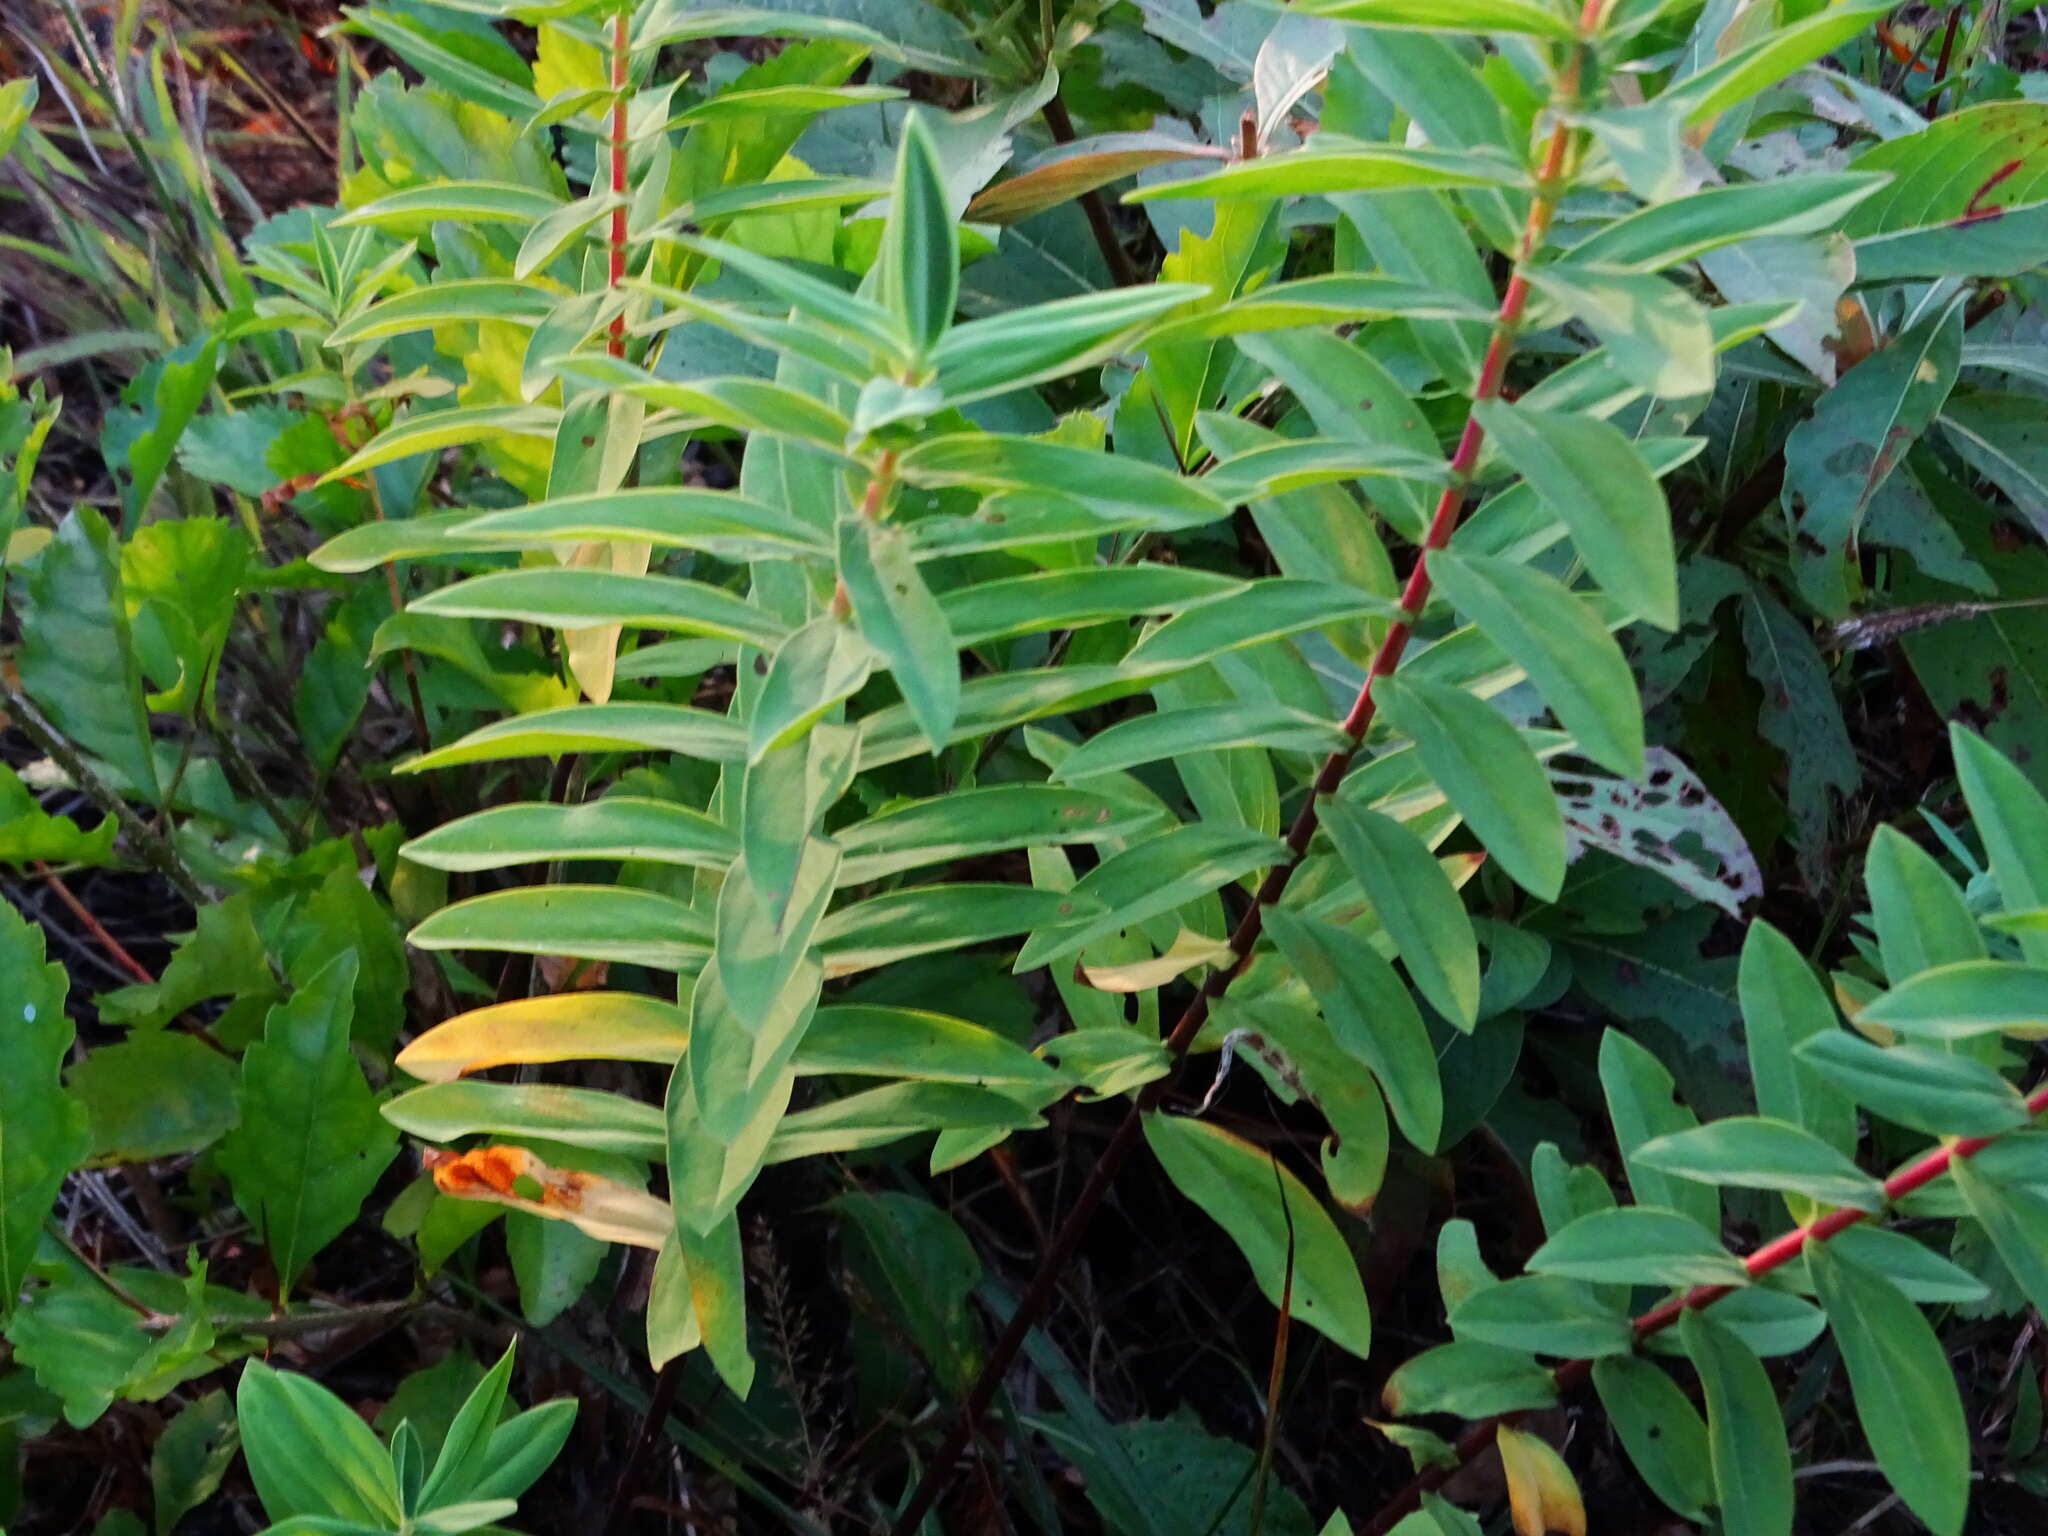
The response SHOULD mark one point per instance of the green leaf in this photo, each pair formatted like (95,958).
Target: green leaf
(1275,1221)
(1555,638)
(1174,733)
(614,827)
(1904,1387)
(309,1454)
(675,728)
(918,272)
(1918,912)
(1643,1103)
(1641,1245)
(138,436)
(971,823)
(1335,163)
(414,209)
(1293,464)
(876,1117)
(1069,599)
(1597,484)
(459,300)
(1370,1014)
(1262,610)
(1416,904)
(1489,774)
(589,922)
(566,598)
(2015,1218)
(864,1040)
(1110,485)
(1544,1314)
(925,919)
(1664,234)
(1038,342)
(1908,1263)
(1968,197)
(904,623)
(310,1145)
(721,523)
(1745,1432)
(1664,1435)
(1970,997)
(1331,299)
(1783,1007)
(1523,16)
(1149,879)
(43,1129)
(1927,1090)
(29,833)
(1655,333)
(464,1453)
(154,1094)
(916,1262)
(1756,1153)
(1471,1380)
(190,1458)
(2012,819)
(817,668)
(431,431)
(576,1117)
(76,658)
(1763,63)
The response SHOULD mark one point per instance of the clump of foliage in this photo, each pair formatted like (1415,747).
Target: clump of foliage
(1356,629)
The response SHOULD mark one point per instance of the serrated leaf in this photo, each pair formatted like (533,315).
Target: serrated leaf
(43,1129)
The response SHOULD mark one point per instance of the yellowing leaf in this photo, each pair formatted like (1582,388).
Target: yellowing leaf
(1187,951)
(1541,1492)
(601,1207)
(569,1026)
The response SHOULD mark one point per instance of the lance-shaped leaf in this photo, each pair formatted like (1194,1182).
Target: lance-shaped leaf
(310,1145)
(1904,1387)
(1655,333)
(904,623)
(1597,484)
(614,827)
(1489,774)
(1783,1007)
(1416,903)
(1745,1430)
(560,1026)
(568,598)
(1911,1085)
(1370,1014)
(1556,638)
(1756,1153)
(1334,163)
(918,271)
(1277,1223)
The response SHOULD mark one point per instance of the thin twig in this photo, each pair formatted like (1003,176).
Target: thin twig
(1244,939)
(155,849)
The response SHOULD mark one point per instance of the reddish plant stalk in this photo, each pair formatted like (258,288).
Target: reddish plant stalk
(1775,1254)
(617,144)
(1060,1252)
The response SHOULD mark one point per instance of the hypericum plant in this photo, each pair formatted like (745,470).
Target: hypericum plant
(1265,616)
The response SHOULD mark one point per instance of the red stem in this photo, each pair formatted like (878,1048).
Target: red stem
(617,345)
(1775,1254)
(1060,1252)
